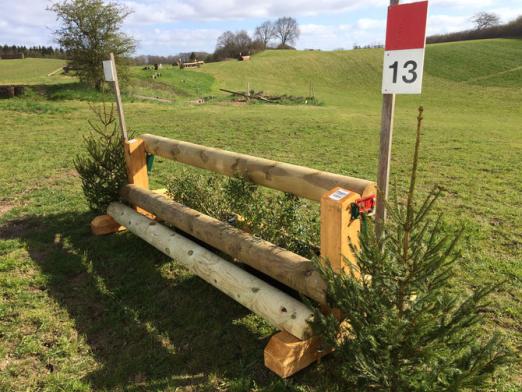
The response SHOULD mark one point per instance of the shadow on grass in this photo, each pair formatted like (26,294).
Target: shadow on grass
(148,322)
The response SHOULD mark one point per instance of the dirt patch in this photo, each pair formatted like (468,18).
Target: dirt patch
(5,207)
(18,228)
(59,176)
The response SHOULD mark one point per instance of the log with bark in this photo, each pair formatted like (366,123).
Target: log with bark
(301,181)
(278,308)
(281,264)
(241,94)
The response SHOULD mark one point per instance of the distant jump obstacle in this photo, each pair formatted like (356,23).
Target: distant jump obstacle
(295,347)
(11,91)
(194,64)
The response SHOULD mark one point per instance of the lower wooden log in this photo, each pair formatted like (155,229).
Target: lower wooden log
(278,308)
(287,267)
(285,355)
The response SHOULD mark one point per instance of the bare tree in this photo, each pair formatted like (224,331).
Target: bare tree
(265,32)
(230,45)
(483,20)
(243,42)
(287,30)
(225,40)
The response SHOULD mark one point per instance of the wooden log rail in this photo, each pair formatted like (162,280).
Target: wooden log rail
(301,181)
(287,267)
(278,308)
(293,348)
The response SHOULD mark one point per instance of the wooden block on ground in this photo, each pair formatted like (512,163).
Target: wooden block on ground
(105,224)
(285,355)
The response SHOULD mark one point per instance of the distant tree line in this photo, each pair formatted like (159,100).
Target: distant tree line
(33,51)
(172,59)
(368,46)
(279,34)
(487,25)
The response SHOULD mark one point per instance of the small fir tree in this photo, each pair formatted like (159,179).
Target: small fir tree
(405,328)
(102,169)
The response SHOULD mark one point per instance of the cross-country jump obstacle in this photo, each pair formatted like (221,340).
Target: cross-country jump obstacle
(294,347)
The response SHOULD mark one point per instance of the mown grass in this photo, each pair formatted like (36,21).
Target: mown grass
(31,71)
(181,82)
(110,313)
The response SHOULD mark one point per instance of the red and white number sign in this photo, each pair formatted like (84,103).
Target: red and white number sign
(404,49)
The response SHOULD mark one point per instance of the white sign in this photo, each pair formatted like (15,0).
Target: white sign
(339,194)
(404,50)
(402,71)
(109,71)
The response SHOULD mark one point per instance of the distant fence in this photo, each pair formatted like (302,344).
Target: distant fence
(11,91)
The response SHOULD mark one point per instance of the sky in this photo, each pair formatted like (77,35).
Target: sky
(165,27)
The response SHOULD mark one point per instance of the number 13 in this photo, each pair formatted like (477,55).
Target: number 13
(410,66)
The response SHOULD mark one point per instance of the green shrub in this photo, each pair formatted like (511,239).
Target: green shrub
(280,218)
(102,168)
(406,327)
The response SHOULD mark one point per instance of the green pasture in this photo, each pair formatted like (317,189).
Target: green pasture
(82,313)
(31,71)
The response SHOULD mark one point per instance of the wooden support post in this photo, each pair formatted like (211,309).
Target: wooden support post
(136,160)
(383,170)
(339,232)
(383,174)
(119,104)
(284,354)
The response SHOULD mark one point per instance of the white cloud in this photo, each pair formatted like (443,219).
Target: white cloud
(463,3)
(370,24)
(441,24)
(27,21)
(507,14)
(175,40)
(168,11)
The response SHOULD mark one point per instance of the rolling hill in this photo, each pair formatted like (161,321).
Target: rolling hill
(494,63)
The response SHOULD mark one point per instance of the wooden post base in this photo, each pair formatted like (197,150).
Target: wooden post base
(105,224)
(285,355)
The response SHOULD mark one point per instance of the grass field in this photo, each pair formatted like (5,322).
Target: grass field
(111,313)
(31,71)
